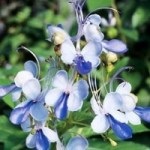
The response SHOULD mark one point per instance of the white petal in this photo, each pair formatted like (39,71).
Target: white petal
(68,52)
(121,117)
(53,96)
(128,102)
(124,88)
(95,19)
(92,33)
(61,79)
(31,141)
(112,101)
(32,89)
(100,124)
(50,134)
(133,118)
(81,89)
(95,106)
(31,67)
(91,53)
(22,77)
(74,103)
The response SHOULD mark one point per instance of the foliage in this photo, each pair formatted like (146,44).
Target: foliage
(24,23)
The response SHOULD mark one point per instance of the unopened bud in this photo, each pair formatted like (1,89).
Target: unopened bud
(58,38)
(111,57)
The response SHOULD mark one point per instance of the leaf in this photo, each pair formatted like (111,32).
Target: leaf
(12,137)
(140,16)
(130,33)
(95,4)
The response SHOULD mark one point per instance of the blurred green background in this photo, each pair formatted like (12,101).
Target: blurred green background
(23,22)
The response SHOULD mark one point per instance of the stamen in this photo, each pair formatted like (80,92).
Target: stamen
(116,74)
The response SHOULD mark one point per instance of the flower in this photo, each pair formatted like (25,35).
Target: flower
(66,96)
(109,116)
(133,113)
(34,105)
(92,32)
(42,138)
(84,60)
(21,78)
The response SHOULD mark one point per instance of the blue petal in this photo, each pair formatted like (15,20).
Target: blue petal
(4,90)
(26,125)
(115,46)
(61,109)
(20,114)
(82,66)
(143,113)
(38,111)
(42,142)
(122,130)
(32,67)
(77,143)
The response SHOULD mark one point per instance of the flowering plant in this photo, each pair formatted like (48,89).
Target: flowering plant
(47,106)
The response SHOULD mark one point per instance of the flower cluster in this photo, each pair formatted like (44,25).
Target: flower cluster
(42,106)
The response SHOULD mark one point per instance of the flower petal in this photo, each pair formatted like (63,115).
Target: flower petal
(115,46)
(81,89)
(122,130)
(94,19)
(114,99)
(68,52)
(6,89)
(50,134)
(77,143)
(100,124)
(60,80)
(95,106)
(74,103)
(91,53)
(31,141)
(26,125)
(143,113)
(128,102)
(42,142)
(92,32)
(61,109)
(32,89)
(31,67)
(38,111)
(22,77)
(124,88)
(53,96)
(20,114)
(133,118)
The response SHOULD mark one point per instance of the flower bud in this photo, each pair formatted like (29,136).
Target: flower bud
(111,57)
(58,38)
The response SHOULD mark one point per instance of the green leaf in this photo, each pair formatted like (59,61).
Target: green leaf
(95,4)
(140,16)
(12,137)
(130,33)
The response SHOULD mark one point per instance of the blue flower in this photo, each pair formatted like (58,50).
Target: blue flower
(34,105)
(92,32)
(23,76)
(83,61)
(42,138)
(66,96)
(109,116)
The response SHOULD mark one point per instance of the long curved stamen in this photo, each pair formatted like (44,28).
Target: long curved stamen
(36,58)
(116,74)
